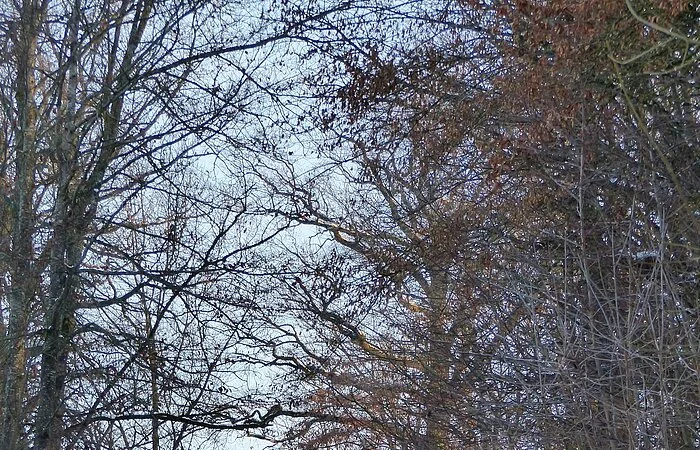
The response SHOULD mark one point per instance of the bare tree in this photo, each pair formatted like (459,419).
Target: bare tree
(113,313)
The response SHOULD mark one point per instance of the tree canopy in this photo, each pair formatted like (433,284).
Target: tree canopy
(358,224)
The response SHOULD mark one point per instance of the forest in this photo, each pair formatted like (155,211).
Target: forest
(349,224)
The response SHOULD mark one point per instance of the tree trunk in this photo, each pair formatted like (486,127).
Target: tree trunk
(22,291)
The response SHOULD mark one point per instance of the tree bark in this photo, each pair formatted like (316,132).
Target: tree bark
(22,291)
